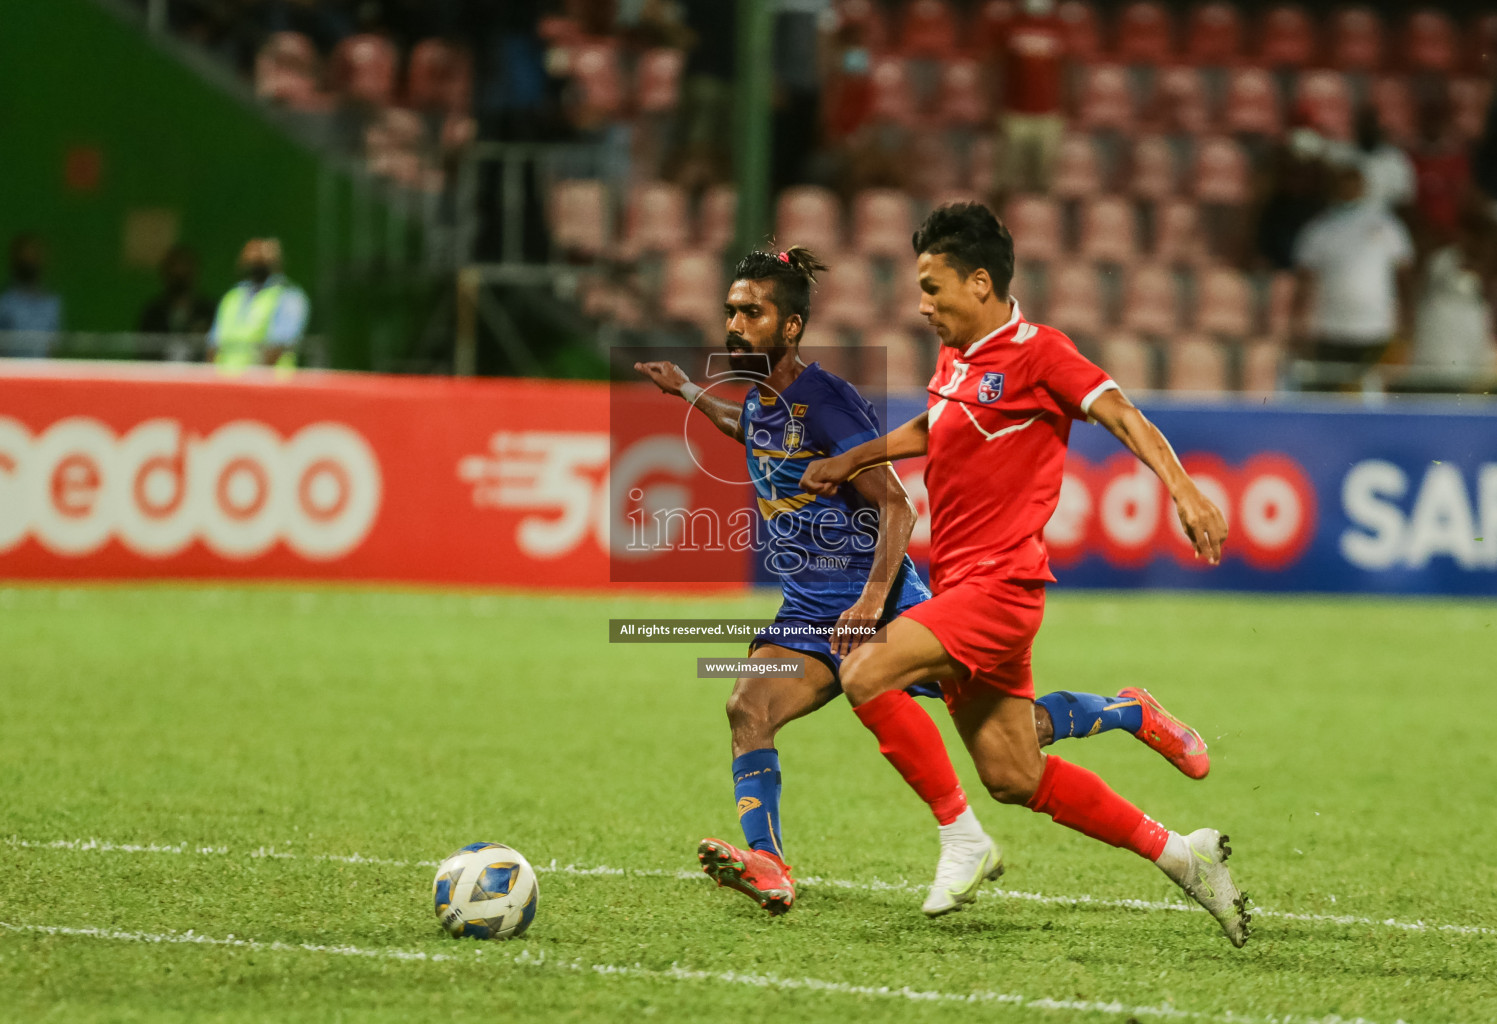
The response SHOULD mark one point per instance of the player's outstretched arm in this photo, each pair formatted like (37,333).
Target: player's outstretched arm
(668,377)
(896,522)
(823,476)
(1203,522)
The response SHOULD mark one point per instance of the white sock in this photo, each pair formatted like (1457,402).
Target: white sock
(1174,859)
(965,829)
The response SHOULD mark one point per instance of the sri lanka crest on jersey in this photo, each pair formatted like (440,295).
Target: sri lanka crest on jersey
(990,388)
(793,432)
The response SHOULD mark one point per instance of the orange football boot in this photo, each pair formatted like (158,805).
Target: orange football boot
(1180,745)
(759,875)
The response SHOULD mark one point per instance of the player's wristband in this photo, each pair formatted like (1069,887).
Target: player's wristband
(690,392)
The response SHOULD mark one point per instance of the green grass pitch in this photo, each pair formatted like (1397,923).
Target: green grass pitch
(182,768)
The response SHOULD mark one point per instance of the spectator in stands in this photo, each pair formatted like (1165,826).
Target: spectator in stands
(1386,170)
(1034,78)
(1442,171)
(26,307)
(1296,193)
(1453,343)
(797,95)
(262,319)
(180,308)
(707,93)
(1352,265)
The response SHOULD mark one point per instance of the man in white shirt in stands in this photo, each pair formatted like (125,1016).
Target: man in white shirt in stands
(1387,171)
(1353,270)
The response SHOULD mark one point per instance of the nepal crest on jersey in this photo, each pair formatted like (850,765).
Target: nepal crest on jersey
(990,388)
(793,434)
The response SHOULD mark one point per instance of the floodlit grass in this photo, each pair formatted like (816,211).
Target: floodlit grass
(250,734)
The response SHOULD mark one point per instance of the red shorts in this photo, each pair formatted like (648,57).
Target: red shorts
(988,624)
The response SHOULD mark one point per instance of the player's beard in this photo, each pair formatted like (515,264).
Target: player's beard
(756,362)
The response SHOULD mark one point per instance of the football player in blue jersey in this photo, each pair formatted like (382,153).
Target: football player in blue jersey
(844,570)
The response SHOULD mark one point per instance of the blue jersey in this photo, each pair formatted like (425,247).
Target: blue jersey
(820,548)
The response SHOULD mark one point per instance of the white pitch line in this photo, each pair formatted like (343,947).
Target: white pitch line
(574,870)
(675,972)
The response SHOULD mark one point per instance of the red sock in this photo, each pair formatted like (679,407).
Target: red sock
(1079,799)
(913,745)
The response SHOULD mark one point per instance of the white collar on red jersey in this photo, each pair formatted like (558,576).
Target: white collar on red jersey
(1014,320)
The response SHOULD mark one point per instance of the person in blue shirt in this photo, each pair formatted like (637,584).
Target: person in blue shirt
(30,315)
(844,572)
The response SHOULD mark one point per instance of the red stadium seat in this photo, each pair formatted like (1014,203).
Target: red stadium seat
(928,30)
(440,77)
(893,99)
(932,173)
(882,223)
(964,97)
(1109,232)
(1034,222)
(863,20)
(1280,303)
(1196,364)
(1082,32)
(1288,37)
(1153,175)
(809,215)
(717,216)
(903,363)
(1323,100)
(1146,33)
(594,65)
(1224,303)
(1073,299)
(1429,41)
(580,217)
(559,30)
(982,164)
(990,26)
(658,79)
(845,296)
(1178,236)
(692,291)
(1151,301)
(364,69)
(1482,44)
(1214,38)
(1252,106)
(1469,100)
(656,220)
(1395,108)
(1106,99)
(1077,175)
(1356,40)
(1181,104)
(1128,362)
(1261,360)
(1221,172)
(287,70)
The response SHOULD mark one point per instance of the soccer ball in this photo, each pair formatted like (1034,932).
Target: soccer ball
(485,891)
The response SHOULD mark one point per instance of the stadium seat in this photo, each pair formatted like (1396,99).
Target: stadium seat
(1252,106)
(1180,101)
(1469,100)
(1083,33)
(287,70)
(1221,172)
(1324,101)
(1214,36)
(1224,303)
(928,29)
(902,310)
(656,221)
(364,68)
(990,23)
(932,173)
(882,223)
(1106,99)
(593,65)
(1145,33)
(580,217)
(863,20)
(845,296)
(1280,311)
(904,368)
(1196,364)
(1077,175)
(657,79)
(1151,301)
(1356,40)
(1152,169)
(1287,37)
(1261,359)
(559,29)
(809,215)
(964,94)
(1034,221)
(982,164)
(1073,299)
(393,146)
(1428,42)
(440,77)
(1395,108)
(1481,44)
(1178,235)
(1128,362)
(1109,232)
(893,95)
(716,219)
(692,292)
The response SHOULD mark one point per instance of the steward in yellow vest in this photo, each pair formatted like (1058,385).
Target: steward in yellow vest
(262,319)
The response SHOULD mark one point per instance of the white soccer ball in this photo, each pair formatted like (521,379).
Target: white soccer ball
(485,891)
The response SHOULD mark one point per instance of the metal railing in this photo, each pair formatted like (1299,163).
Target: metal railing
(132,345)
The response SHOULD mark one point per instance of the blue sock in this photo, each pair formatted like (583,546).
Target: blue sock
(756,787)
(1086,714)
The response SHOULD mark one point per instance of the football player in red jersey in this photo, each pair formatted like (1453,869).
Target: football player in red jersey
(995,430)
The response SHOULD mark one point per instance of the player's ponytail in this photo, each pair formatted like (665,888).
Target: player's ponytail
(793,272)
(804,262)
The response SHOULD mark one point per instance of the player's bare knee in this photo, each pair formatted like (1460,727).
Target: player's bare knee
(1009,783)
(859,676)
(748,716)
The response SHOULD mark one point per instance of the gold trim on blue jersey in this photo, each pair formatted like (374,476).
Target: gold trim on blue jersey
(775,454)
(769,507)
(865,469)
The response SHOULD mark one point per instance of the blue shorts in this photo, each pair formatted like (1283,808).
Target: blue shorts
(813,639)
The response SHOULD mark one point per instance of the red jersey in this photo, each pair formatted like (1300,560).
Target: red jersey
(1034,66)
(1000,417)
